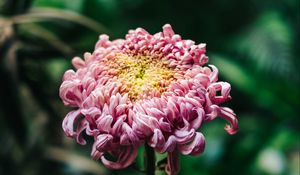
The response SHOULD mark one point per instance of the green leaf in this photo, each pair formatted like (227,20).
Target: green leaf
(45,14)
(47,36)
(268,43)
(258,89)
(74,5)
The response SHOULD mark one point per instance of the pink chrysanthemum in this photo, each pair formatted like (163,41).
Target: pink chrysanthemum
(151,89)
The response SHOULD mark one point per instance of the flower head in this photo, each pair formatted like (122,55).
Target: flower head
(151,89)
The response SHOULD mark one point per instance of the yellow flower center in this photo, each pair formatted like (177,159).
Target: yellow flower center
(142,75)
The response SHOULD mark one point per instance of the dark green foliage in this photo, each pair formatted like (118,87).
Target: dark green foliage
(253,43)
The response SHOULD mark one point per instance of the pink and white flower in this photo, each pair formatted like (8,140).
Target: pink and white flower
(152,89)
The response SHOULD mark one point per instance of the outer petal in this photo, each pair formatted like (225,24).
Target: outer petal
(170,144)
(196,123)
(195,147)
(68,123)
(71,92)
(168,31)
(230,116)
(157,140)
(78,62)
(126,155)
(183,136)
(102,141)
(96,155)
(80,128)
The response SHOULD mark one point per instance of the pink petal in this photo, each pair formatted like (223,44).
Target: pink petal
(102,141)
(69,121)
(195,147)
(78,62)
(170,145)
(96,155)
(157,140)
(230,116)
(183,136)
(125,157)
(167,30)
(196,123)
(173,164)
(104,123)
(80,128)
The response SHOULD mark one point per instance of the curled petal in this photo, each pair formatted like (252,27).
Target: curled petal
(203,58)
(125,157)
(78,62)
(196,123)
(120,109)
(68,123)
(80,128)
(87,56)
(195,147)
(183,136)
(164,126)
(225,91)
(103,41)
(91,114)
(124,99)
(102,141)
(168,31)
(117,127)
(212,113)
(230,116)
(155,112)
(170,145)
(128,137)
(220,86)
(96,155)
(193,101)
(157,140)
(203,79)
(104,123)
(92,130)
(71,92)
(69,74)
(183,109)
(143,124)
(172,110)
(214,74)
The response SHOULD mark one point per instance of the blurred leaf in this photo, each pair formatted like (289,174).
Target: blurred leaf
(256,88)
(39,14)
(74,5)
(46,35)
(77,162)
(284,139)
(268,42)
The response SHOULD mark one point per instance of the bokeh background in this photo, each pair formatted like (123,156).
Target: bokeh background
(254,43)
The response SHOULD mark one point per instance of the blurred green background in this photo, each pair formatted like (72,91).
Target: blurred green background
(254,44)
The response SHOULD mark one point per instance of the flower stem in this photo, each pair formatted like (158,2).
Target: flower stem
(149,160)
(173,164)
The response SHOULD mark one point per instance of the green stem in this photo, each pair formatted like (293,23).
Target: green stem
(149,160)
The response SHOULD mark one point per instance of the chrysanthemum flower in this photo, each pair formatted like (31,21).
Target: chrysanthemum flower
(151,89)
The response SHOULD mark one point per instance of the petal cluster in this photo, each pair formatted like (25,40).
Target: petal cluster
(167,117)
